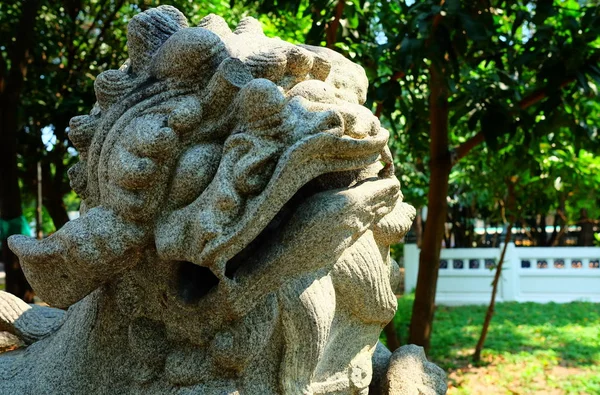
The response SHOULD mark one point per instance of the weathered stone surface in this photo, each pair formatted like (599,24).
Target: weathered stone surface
(238,207)
(381,361)
(9,341)
(28,322)
(411,373)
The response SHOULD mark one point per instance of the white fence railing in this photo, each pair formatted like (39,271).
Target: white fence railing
(529,274)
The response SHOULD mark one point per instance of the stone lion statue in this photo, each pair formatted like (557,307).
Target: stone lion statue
(238,203)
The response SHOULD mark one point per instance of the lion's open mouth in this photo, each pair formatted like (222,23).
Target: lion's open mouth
(322,203)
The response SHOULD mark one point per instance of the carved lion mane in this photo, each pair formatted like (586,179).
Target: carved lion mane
(238,203)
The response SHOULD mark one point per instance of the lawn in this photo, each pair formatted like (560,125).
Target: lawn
(530,349)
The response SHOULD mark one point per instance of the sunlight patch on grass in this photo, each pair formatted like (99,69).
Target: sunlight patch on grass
(530,348)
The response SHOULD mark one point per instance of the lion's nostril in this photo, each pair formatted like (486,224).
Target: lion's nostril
(194,281)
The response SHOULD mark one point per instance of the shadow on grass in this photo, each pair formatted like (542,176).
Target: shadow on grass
(554,334)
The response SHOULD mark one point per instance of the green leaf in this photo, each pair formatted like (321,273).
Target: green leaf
(582,82)
(459,109)
(594,72)
(519,19)
(453,7)
(409,52)
(543,10)
(475,29)
(495,122)
(473,121)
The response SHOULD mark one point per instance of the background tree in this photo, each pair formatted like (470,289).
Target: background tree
(14,65)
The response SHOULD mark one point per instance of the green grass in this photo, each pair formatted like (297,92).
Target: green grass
(530,348)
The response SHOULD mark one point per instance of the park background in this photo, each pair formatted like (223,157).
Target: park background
(493,112)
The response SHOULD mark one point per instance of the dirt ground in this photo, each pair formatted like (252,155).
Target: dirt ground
(499,378)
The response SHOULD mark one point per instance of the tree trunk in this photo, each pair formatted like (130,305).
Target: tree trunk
(332,28)
(10,198)
(11,87)
(543,235)
(586,236)
(484,238)
(53,197)
(391,334)
(554,235)
(418,226)
(39,233)
(490,311)
(564,224)
(533,230)
(447,238)
(56,208)
(429,258)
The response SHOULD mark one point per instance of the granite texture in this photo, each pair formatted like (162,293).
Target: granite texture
(238,203)
(410,373)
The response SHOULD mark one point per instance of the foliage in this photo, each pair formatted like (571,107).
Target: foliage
(495,57)
(522,74)
(497,62)
(531,347)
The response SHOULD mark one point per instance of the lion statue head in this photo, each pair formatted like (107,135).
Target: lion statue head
(238,203)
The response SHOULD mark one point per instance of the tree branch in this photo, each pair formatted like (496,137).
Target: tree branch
(96,19)
(401,73)
(379,105)
(2,72)
(379,109)
(398,75)
(72,49)
(107,23)
(20,52)
(331,32)
(466,147)
(462,150)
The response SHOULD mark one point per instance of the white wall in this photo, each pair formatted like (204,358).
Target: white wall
(537,274)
